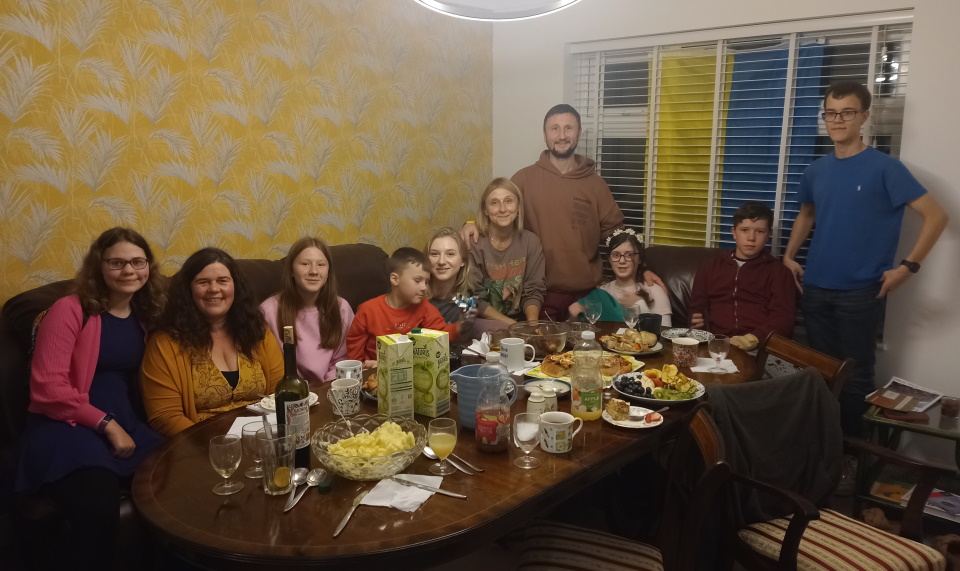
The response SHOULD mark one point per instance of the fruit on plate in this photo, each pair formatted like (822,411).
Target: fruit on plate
(652,417)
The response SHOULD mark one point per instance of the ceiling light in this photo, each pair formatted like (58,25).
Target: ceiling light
(496,10)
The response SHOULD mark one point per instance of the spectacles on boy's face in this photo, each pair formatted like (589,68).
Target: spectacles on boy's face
(119,263)
(628,256)
(845,115)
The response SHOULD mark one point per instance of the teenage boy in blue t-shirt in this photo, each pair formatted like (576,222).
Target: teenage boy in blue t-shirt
(856,196)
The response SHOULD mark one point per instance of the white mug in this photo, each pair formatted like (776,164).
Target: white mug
(513,353)
(555,433)
(349,370)
(344,395)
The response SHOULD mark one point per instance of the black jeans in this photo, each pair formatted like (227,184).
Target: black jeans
(844,324)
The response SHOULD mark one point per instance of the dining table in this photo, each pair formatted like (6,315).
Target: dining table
(249,530)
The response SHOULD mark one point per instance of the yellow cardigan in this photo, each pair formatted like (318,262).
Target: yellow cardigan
(167,378)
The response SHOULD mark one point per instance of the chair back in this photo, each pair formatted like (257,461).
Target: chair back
(833,370)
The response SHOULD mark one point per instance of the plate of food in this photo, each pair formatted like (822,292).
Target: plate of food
(659,387)
(268,402)
(632,342)
(369,387)
(698,334)
(561,365)
(620,413)
(562,387)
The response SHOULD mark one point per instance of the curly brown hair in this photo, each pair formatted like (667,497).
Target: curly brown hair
(184,323)
(328,303)
(90,287)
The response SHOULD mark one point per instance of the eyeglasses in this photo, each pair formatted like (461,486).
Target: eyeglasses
(628,256)
(119,263)
(845,115)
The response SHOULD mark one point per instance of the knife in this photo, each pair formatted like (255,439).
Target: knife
(346,518)
(459,467)
(427,488)
(469,465)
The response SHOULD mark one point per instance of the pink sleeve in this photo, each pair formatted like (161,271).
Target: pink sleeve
(340,353)
(56,390)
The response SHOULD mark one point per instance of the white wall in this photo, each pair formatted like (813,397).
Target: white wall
(923,318)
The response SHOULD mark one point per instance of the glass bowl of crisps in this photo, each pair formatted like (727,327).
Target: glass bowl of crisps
(381,452)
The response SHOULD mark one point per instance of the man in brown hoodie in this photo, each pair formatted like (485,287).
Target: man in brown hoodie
(570,208)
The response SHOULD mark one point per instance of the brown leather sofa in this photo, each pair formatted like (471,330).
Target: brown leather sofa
(360,271)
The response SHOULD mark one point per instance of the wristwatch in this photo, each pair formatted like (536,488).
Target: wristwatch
(102,425)
(914,267)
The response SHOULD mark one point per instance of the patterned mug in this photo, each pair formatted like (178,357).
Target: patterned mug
(344,394)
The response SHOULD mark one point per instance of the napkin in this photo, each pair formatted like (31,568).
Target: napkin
(704,365)
(239,423)
(480,346)
(405,498)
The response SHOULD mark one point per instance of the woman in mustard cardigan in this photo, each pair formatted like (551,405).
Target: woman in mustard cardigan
(213,353)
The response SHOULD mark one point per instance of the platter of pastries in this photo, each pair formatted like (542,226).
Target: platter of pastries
(560,366)
(632,342)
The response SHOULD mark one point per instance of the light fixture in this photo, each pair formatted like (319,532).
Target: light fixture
(496,10)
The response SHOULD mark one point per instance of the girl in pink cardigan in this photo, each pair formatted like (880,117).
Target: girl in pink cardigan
(86,433)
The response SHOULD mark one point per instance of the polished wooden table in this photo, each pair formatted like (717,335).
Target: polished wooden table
(248,530)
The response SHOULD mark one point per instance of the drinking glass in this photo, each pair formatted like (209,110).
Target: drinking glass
(442,435)
(526,437)
(630,316)
(592,310)
(225,453)
(719,346)
(249,439)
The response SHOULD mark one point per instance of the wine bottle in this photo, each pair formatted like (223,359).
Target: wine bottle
(293,399)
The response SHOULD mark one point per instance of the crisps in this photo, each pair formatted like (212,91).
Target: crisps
(386,439)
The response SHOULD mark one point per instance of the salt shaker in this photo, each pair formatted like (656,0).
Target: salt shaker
(549,399)
(535,403)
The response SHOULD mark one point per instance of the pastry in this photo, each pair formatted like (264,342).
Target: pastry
(618,409)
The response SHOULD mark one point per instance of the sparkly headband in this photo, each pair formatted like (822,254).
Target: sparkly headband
(619,231)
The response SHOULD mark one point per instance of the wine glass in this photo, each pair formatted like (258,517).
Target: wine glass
(630,316)
(719,346)
(225,453)
(249,440)
(526,436)
(442,435)
(592,309)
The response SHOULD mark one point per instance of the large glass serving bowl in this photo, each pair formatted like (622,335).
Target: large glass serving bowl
(576,329)
(366,467)
(547,337)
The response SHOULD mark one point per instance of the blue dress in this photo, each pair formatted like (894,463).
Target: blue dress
(51,449)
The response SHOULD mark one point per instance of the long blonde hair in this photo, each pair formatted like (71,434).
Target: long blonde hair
(483,221)
(467,276)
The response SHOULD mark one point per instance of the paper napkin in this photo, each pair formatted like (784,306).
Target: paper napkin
(405,498)
(704,365)
(239,423)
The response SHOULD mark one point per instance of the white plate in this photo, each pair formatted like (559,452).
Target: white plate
(267,402)
(561,387)
(658,402)
(698,334)
(653,351)
(636,418)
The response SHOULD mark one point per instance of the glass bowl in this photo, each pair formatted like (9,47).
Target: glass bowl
(578,327)
(365,468)
(547,337)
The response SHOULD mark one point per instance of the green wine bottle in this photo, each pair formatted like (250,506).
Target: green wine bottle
(293,399)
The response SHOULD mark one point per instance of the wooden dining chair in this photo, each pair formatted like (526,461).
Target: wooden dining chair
(684,507)
(834,371)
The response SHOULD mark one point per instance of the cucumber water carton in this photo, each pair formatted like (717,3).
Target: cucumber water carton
(431,372)
(395,375)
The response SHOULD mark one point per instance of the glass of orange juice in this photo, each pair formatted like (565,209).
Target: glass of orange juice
(442,436)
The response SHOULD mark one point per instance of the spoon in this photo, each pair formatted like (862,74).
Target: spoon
(299,476)
(313,478)
(429,453)
(363,429)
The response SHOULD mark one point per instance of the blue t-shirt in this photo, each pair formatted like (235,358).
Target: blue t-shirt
(859,204)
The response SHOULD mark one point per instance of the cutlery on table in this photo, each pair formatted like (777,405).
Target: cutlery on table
(429,453)
(299,476)
(346,518)
(313,478)
(469,465)
(425,487)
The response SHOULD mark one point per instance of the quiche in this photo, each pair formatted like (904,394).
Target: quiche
(561,365)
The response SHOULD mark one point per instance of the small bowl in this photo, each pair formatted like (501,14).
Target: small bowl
(372,467)
(547,337)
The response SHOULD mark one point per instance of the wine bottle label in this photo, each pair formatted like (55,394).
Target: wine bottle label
(297,415)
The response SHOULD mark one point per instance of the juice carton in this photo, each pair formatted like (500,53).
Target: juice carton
(431,372)
(395,375)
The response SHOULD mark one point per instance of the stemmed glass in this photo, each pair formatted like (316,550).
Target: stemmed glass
(592,309)
(526,436)
(719,346)
(225,453)
(249,438)
(630,316)
(442,435)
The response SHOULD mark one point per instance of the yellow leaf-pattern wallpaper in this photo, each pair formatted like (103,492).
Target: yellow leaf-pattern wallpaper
(242,124)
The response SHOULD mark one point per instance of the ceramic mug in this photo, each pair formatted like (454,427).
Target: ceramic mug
(685,351)
(349,370)
(344,395)
(513,353)
(556,435)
